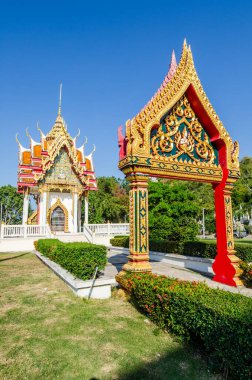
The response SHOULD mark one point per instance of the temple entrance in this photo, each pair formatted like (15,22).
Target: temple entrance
(58,219)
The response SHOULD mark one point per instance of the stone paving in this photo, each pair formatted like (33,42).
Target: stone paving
(116,259)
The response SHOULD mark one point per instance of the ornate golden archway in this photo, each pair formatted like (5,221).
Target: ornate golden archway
(178,135)
(58,203)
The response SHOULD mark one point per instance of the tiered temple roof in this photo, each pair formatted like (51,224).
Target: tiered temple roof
(36,161)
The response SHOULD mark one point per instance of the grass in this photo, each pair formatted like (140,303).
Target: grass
(49,333)
(245,241)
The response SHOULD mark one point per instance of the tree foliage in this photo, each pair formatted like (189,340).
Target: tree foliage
(242,194)
(110,202)
(173,211)
(12,205)
(175,207)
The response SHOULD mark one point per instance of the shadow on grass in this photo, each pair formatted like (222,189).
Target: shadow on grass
(167,367)
(179,364)
(14,257)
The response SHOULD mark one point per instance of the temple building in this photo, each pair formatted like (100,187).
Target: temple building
(58,175)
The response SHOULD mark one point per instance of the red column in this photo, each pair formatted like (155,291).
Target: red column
(226,264)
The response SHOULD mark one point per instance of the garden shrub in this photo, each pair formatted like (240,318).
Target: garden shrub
(80,259)
(244,251)
(200,249)
(206,249)
(246,276)
(47,246)
(155,245)
(219,321)
(166,246)
(120,241)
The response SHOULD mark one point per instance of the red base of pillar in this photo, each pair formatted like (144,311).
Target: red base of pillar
(226,269)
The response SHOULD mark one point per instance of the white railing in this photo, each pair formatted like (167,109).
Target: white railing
(88,233)
(91,231)
(9,231)
(109,228)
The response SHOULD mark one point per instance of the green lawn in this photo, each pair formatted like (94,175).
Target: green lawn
(245,241)
(48,333)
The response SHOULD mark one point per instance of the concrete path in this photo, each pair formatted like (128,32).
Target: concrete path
(116,259)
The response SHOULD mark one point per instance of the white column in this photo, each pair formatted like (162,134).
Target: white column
(79,214)
(25,208)
(75,213)
(44,209)
(86,208)
(41,202)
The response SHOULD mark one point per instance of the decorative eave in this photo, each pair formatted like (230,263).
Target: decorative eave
(183,81)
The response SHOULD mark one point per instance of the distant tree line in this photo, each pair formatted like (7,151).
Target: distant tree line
(175,207)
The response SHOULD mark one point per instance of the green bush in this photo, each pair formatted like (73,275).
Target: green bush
(80,259)
(120,236)
(47,246)
(244,251)
(205,248)
(166,246)
(120,241)
(246,276)
(155,245)
(219,321)
(199,249)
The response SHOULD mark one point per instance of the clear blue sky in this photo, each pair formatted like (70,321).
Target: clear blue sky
(111,56)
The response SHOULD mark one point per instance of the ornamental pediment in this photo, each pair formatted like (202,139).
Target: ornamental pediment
(178,125)
(61,172)
(180,136)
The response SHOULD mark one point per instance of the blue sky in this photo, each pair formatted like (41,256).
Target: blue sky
(111,56)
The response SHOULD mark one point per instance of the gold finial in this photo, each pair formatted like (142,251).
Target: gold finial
(60,100)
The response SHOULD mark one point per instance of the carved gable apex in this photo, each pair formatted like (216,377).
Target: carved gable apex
(184,81)
(57,139)
(62,171)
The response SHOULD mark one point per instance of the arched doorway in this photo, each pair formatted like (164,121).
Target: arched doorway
(57,219)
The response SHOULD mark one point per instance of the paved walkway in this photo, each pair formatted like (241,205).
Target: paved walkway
(116,259)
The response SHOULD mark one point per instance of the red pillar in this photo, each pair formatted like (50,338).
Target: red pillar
(226,264)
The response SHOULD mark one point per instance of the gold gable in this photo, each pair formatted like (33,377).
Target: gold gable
(62,173)
(184,81)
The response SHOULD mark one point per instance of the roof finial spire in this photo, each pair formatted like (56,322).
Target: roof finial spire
(60,100)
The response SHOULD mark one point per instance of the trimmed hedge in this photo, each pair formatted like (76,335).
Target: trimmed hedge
(155,245)
(120,241)
(80,259)
(206,249)
(246,276)
(220,321)
(166,246)
(47,246)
